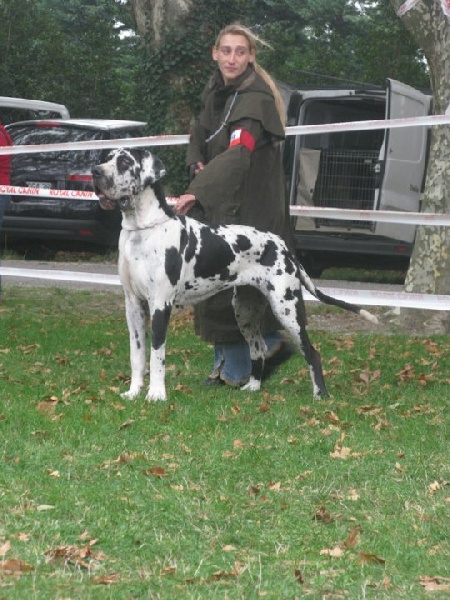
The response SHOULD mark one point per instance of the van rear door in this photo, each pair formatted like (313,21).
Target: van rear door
(403,158)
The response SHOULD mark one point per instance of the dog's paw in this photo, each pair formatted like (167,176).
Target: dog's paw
(130,395)
(253,385)
(156,395)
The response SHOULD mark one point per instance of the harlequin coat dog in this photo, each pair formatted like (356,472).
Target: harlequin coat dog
(167,262)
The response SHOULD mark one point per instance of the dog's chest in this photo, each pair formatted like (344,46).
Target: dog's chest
(148,261)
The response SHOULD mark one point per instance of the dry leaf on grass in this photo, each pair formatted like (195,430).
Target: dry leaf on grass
(106,579)
(336,552)
(323,516)
(4,548)
(14,566)
(435,584)
(70,554)
(370,559)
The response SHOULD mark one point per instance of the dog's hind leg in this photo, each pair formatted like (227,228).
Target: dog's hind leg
(249,306)
(290,311)
(160,321)
(136,315)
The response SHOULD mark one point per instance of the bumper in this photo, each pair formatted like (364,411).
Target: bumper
(35,228)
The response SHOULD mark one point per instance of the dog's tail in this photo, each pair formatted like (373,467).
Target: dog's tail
(309,285)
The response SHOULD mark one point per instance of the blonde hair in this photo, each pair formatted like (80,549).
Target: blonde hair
(253,40)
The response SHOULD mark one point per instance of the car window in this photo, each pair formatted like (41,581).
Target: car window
(44,134)
(26,135)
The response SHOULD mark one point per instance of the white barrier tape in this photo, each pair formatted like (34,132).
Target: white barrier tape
(12,190)
(406,6)
(363,297)
(429,120)
(168,140)
(52,275)
(155,140)
(445,4)
(380,298)
(384,216)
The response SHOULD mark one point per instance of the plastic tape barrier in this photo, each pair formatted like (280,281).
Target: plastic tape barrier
(385,216)
(169,140)
(363,297)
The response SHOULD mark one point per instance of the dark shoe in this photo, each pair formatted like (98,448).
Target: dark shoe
(286,352)
(211,381)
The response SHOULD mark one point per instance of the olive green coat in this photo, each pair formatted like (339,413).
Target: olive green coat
(237,186)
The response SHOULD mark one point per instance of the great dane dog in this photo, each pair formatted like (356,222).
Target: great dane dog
(167,262)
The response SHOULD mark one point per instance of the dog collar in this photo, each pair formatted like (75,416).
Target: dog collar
(124,202)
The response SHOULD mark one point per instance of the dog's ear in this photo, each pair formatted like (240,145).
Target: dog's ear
(159,170)
(152,169)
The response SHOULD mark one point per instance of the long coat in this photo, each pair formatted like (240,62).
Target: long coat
(237,185)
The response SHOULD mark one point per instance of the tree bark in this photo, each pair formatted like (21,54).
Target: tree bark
(429,270)
(154,16)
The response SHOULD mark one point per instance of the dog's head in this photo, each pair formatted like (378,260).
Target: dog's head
(124,175)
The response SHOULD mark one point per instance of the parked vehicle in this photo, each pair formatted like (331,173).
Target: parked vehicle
(363,170)
(39,218)
(17,109)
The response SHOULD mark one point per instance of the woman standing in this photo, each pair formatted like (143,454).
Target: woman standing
(235,160)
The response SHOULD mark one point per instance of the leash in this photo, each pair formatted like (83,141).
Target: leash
(224,122)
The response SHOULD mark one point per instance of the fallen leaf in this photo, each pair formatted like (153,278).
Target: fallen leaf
(299,576)
(14,566)
(322,516)
(370,559)
(106,579)
(156,471)
(274,486)
(352,538)
(47,406)
(126,424)
(53,473)
(435,584)
(336,552)
(29,349)
(183,388)
(341,452)
(4,548)
(238,444)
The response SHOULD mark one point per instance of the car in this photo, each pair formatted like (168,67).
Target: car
(18,109)
(37,218)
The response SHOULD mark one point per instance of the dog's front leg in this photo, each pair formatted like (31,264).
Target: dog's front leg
(160,322)
(136,321)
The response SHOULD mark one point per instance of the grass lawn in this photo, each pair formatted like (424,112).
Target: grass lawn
(216,493)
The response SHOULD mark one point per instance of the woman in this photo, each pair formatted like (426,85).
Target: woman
(235,159)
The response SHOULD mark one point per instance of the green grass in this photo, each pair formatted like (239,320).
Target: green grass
(216,493)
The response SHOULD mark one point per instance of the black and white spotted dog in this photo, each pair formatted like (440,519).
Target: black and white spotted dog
(167,262)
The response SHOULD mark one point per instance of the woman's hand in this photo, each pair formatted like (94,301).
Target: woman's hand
(184,203)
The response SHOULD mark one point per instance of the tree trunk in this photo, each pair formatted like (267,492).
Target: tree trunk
(154,16)
(429,270)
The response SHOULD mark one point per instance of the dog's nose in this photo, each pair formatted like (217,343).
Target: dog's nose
(96,171)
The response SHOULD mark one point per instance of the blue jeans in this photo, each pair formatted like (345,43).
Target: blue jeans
(4,203)
(232,360)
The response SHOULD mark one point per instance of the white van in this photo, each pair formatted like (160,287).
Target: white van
(363,170)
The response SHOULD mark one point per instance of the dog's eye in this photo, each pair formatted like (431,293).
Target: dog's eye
(123,163)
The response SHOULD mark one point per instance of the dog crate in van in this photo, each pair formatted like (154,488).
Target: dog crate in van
(382,169)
